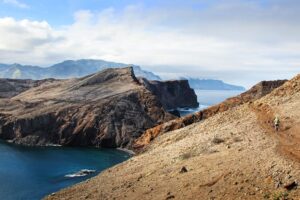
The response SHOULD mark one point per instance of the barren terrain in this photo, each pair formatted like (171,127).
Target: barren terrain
(232,155)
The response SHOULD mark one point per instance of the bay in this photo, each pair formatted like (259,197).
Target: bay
(33,172)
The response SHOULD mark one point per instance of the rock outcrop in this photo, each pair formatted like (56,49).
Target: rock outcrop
(107,109)
(173,94)
(259,90)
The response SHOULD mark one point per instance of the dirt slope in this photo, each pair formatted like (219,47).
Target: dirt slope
(256,92)
(235,154)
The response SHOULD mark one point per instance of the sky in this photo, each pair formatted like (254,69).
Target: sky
(239,41)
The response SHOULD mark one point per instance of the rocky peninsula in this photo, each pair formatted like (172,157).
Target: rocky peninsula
(111,109)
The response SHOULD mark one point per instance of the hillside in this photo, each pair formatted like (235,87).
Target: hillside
(67,69)
(257,91)
(235,154)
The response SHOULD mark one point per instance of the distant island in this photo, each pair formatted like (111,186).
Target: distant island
(211,84)
(78,68)
(67,69)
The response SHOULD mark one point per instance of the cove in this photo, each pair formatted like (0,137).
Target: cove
(33,172)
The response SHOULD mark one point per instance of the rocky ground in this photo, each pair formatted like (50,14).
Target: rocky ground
(235,154)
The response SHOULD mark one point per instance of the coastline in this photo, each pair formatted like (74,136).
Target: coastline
(130,152)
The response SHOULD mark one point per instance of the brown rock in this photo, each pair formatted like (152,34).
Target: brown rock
(290,185)
(183,170)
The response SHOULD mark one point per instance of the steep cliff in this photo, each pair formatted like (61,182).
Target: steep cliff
(106,109)
(259,90)
(173,94)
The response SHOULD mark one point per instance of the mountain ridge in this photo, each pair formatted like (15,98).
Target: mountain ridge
(83,67)
(67,69)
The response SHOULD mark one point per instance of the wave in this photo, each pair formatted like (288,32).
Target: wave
(81,173)
(201,107)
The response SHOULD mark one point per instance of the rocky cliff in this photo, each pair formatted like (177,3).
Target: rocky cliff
(107,109)
(173,94)
(259,90)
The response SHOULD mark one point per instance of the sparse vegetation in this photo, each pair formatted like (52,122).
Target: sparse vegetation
(267,195)
(280,196)
(237,139)
(217,140)
(186,156)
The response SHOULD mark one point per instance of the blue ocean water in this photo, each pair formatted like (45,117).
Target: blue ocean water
(212,97)
(208,98)
(29,173)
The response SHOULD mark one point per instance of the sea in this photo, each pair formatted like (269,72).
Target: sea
(208,98)
(30,173)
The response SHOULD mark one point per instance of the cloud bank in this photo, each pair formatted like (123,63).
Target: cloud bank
(228,40)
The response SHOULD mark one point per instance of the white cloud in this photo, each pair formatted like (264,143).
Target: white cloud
(16,3)
(24,35)
(224,38)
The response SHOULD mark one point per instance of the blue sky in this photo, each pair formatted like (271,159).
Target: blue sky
(60,12)
(239,41)
(57,12)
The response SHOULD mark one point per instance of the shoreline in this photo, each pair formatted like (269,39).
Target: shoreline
(130,152)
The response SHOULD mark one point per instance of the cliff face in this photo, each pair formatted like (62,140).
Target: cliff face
(106,109)
(259,90)
(173,94)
